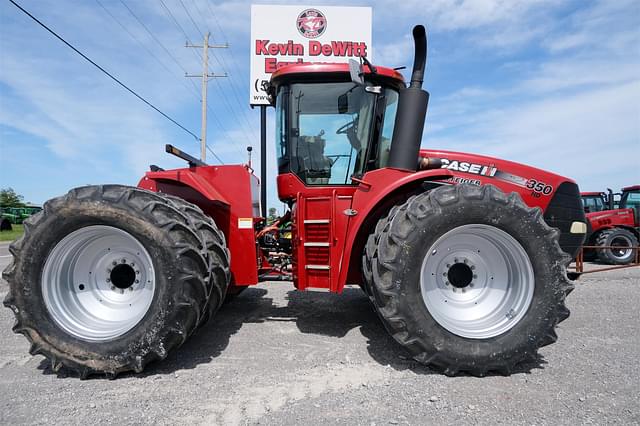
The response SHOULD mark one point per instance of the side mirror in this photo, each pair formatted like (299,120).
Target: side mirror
(356,72)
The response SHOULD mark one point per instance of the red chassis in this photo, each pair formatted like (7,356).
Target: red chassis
(330,224)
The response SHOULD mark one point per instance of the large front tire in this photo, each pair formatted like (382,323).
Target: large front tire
(87,260)
(469,279)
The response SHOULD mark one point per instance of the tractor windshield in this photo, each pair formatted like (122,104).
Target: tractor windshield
(323,131)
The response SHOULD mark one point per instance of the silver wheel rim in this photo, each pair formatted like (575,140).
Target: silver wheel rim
(622,246)
(498,276)
(98,283)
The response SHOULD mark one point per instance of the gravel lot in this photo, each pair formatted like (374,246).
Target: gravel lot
(275,356)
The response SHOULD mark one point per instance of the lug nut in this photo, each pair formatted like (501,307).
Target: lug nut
(137,281)
(473,267)
(108,280)
(475,276)
(464,260)
(115,263)
(446,283)
(124,261)
(113,288)
(133,264)
(137,272)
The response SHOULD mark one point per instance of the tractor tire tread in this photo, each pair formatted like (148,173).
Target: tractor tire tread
(383,253)
(189,263)
(214,250)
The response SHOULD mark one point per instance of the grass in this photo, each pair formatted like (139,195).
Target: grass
(13,234)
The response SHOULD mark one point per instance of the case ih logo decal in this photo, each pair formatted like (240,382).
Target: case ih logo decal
(463,166)
(537,188)
(311,23)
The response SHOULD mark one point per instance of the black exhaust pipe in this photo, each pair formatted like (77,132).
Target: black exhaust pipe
(412,110)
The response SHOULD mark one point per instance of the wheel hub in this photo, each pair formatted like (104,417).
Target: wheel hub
(98,282)
(477,281)
(460,275)
(622,247)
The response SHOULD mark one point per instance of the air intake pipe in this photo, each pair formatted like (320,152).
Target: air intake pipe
(412,110)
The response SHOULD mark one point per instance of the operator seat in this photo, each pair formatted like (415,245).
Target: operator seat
(314,166)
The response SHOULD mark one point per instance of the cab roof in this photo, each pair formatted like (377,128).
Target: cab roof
(307,69)
(591,194)
(631,188)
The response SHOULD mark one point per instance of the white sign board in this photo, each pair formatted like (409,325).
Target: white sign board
(281,35)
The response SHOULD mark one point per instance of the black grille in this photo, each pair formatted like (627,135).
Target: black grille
(564,209)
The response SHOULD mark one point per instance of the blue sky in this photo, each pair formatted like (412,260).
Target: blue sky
(554,84)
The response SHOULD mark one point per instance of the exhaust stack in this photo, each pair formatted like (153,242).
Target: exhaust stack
(412,110)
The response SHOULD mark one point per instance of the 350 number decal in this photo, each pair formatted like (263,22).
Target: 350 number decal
(539,187)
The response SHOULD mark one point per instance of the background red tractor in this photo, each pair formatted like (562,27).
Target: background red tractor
(616,230)
(463,257)
(597,201)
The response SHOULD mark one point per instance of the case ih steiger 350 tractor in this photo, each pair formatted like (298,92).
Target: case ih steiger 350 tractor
(462,256)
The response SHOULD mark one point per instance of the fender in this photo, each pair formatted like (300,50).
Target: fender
(230,195)
(187,177)
(377,191)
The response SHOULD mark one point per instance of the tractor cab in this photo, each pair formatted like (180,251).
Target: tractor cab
(330,129)
(630,199)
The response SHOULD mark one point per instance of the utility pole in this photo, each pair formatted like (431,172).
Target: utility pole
(205,79)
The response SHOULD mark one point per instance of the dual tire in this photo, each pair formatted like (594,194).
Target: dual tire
(109,278)
(468,279)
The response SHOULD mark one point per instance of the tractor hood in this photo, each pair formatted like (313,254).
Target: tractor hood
(482,170)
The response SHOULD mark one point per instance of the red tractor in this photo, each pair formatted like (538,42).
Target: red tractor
(616,230)
(597,201)
(463,257)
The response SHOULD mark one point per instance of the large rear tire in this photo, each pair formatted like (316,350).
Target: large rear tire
(469,279)
(214,251)
(107,279)
(623,242)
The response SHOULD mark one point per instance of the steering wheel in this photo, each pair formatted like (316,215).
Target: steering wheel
(346,128)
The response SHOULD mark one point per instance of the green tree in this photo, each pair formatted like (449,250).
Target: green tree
(9,198)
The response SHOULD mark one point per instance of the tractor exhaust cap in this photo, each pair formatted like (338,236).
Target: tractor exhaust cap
(412,110)
(420,56)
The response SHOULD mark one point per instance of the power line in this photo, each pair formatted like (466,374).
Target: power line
(214,154)
(137,40)
(233,58)
(195,88)
(153,36)
(190,17)
(103,70)
(227,69)
(227,105)
(161,45)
